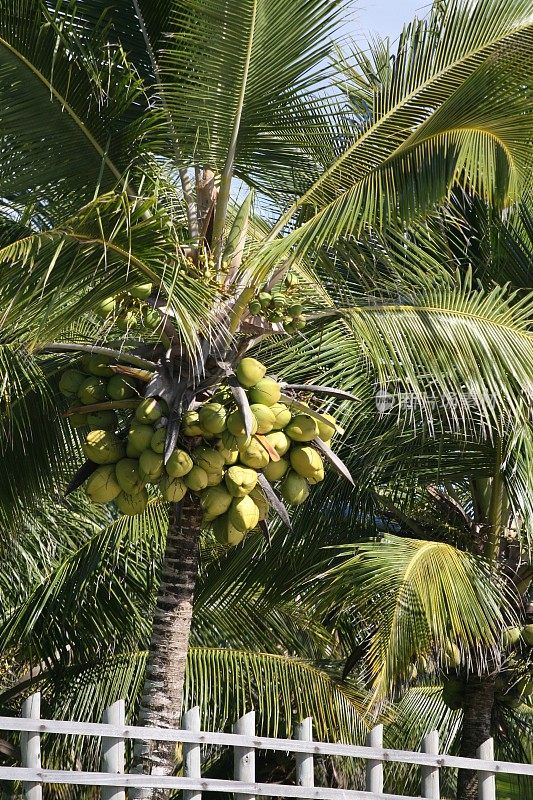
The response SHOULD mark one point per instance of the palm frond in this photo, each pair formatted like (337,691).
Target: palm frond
(418,598)
(440,119)
(227,683)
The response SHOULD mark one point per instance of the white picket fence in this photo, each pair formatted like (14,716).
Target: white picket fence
(114,781)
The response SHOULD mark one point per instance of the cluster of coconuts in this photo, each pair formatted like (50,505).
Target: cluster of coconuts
(512,688)
(513,685)
(215,459)
(280,305)
(128,309)
(515,636)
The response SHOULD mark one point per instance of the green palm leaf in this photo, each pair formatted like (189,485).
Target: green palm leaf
(441,118)
(417,597)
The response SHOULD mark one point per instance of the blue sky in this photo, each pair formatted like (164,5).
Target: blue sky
(384,17)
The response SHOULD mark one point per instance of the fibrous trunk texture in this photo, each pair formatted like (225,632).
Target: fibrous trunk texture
(477,719)
(161,702)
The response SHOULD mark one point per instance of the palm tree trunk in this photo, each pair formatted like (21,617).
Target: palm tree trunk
(161,701)
(477,719)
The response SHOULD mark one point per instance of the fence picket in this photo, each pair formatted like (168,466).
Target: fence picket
(244,742)
(243,757)
(486,780)
(305,763)
(374,769)
(430,775)
(192,752)
(30,746)
(113,750)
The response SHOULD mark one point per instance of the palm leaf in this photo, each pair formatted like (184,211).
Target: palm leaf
(441,118)
(420,596)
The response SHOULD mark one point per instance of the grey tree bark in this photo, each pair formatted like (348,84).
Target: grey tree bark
(161,701)
(476,729)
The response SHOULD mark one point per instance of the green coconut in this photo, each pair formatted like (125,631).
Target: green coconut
(105,307)
(172,489)
(96,364)
(140,291)
(209,459)
(302,428)
(254,307)
(102,486)
(527,635)
(294,489)
(214,477)
(452,655)
(92,390)
(326,431)
(132,504)
(215,501)
(243,513)
(254,455)
(249,371)
(212,417)
(240,481)
(261,502)
(140,436)
(235,424)
(151,465)
(231,442)
(102,420)
(226,533)
(307,462)
(179,464)
(157,442)
(131,451)
(103,447)
(78,420)
(283,415)
(264,416)
(230,456)
(266,391)
(295,310)
(275,470)
(151,318)
(121,387)
(128,475)
(511,636)
(148,411)
(265,299)
(279,442)
(190,424)
(196,479)
(126,321)
(453,693)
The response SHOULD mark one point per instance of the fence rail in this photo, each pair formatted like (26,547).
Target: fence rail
(113,779)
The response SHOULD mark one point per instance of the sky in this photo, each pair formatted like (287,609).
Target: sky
(384,17)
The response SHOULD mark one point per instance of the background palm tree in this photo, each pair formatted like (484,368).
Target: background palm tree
(133,95)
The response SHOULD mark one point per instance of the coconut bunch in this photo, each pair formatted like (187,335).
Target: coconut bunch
(128,309)
(280,305)
(236,449)
(513,685)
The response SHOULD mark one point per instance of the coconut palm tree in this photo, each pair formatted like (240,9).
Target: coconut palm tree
(439,582)
(126,128)
(83,654)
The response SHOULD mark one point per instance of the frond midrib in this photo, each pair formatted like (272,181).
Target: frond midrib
(66,106)
(379,123)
